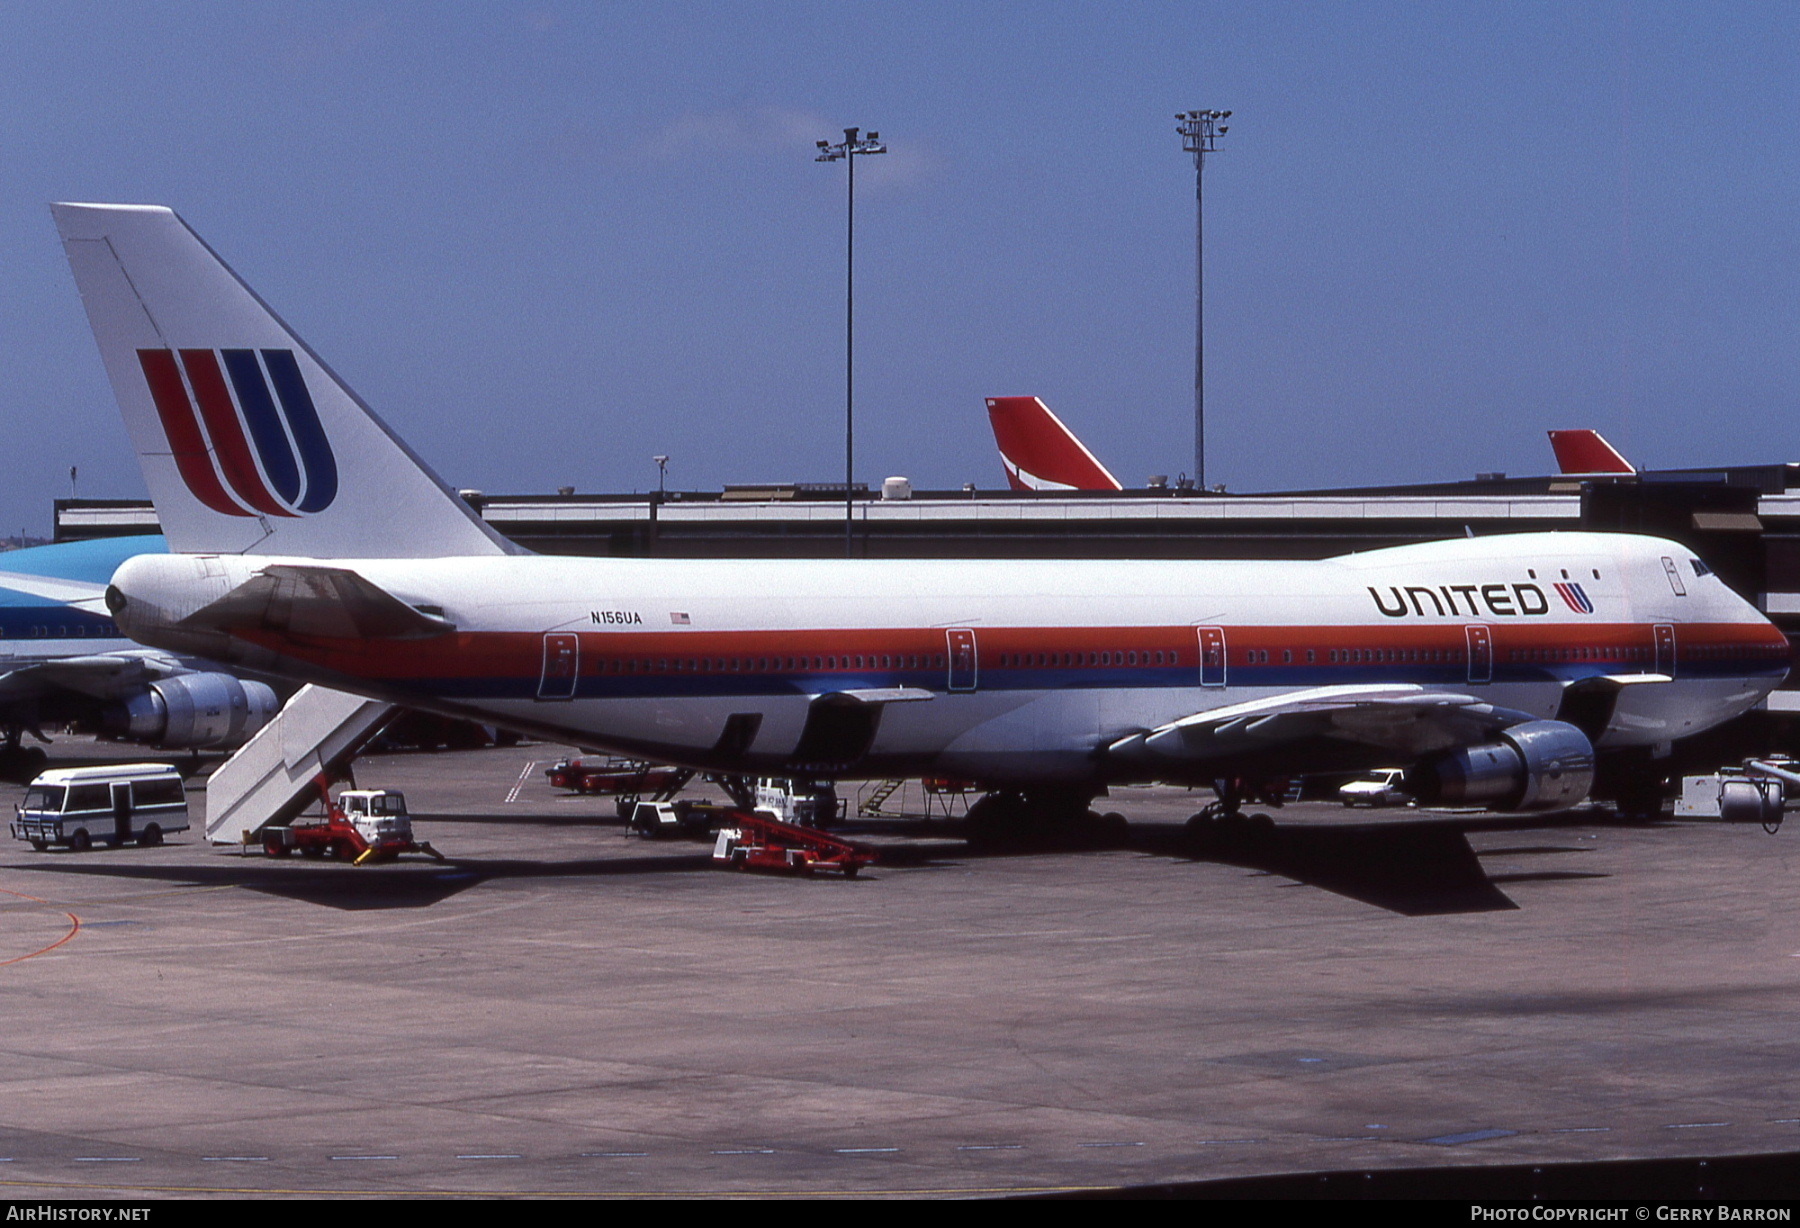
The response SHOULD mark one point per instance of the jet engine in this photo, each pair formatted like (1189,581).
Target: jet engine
(1538,765)
(192,711)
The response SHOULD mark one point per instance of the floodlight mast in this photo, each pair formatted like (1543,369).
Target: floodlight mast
(848,150)
(1200,131)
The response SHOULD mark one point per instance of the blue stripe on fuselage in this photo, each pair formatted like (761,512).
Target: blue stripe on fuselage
(680,685)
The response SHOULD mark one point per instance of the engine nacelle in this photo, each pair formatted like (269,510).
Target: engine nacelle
(194,711)
(1539,765)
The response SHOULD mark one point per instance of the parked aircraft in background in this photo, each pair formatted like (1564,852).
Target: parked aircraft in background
(313,545)
(63,662)
(1587,452)
(1039,452)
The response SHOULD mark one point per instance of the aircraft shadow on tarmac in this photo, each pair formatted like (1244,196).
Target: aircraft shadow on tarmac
(408,884)
(1413,868)
(1423,869)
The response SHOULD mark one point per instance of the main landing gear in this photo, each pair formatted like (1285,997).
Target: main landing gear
(1042,818)
(1635,782)
(1224,822)
(20,763)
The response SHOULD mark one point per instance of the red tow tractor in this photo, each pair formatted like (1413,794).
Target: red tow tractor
(759,842)
(361,826)
(609,776)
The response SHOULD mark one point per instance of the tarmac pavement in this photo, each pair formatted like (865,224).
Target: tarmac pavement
(562,1010)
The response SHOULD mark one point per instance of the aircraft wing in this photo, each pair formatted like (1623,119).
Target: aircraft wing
(1403,721)
(106,675)
(80,594)
(330,602)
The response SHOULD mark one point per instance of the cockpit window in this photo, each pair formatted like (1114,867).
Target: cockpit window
(1700,569)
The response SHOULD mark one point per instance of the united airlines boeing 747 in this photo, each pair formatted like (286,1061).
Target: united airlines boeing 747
(309,542)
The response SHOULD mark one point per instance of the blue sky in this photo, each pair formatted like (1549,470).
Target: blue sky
(549,240)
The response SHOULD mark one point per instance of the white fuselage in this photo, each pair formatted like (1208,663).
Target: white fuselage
(997,670)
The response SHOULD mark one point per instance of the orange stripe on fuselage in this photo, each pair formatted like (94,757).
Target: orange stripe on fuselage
(520,653)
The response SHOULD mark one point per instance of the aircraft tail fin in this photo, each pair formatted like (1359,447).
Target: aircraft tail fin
(1587,452)
(1039,452)
(249,443)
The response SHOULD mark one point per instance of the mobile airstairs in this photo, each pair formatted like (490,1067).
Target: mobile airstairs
(280,771)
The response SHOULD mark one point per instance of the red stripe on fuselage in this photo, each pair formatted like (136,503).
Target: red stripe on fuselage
(520,653)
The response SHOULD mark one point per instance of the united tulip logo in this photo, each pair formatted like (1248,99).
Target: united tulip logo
(1575,599)
(243,430)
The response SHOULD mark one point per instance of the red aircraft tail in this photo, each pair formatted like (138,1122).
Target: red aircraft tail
(1039,452)
(1587,452)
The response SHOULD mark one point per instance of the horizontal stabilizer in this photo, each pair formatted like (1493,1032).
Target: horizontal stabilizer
(322,602)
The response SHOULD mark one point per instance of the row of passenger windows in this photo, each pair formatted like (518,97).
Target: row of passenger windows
(104,631)
(1581,654)
(1248,656)
(1130,657)
(1383,656)
(766,665)
(1718,652)
(1028,660)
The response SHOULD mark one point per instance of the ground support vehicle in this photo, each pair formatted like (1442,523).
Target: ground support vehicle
(121,802)
(685,819)
(615,776)
(803,803)
(754,841)
(361,826)
(1382,787)
(1756,792)
(941,796)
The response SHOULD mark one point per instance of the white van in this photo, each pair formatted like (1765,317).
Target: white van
(115,803)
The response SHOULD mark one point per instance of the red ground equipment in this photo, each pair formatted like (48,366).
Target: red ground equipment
(607,776)
(361,826)
(757,842)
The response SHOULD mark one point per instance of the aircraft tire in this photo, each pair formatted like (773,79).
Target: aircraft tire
(995,819)
(1639,803)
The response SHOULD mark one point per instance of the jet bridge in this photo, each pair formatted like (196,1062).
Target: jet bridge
(275,775)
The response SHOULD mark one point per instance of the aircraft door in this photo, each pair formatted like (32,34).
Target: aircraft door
(1212,655)
(1665,649)
(964,663)
(562,665)
(1481,652)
